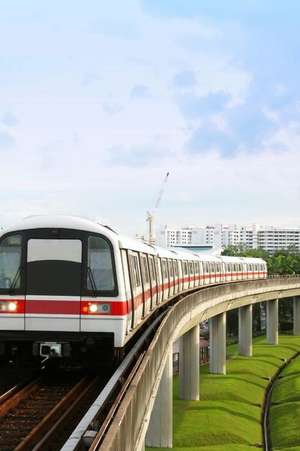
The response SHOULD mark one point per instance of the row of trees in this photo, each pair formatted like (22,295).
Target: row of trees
(281,262)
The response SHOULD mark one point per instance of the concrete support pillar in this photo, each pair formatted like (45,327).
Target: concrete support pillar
(217,344)
(245,330)
(296,315)
(189,365)
(272,322)
(160,430)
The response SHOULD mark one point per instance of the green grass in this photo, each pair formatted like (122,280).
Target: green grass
(227,418)
(285,409)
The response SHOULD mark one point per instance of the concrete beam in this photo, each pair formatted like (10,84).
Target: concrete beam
(272,322)
(296,315)
(189,365)
(160,430)
(217,344)
(245,330)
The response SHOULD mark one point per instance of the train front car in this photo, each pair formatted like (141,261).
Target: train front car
(60,291)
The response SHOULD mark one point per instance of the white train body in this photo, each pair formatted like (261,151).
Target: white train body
(69,280)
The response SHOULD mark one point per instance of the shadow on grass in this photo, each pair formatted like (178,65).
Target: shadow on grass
(247,381)
(293,348)
(267,362)
(226,410)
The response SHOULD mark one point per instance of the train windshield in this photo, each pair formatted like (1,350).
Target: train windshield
(54,267)
(10,262)
(100,274)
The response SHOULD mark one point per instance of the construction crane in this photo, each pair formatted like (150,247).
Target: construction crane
(151,214)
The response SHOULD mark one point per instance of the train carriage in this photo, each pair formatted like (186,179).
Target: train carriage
(81,285)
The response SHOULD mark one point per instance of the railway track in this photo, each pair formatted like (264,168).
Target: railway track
(267,404)
(11,376)
(36,416)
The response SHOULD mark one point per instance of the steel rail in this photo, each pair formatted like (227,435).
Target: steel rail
(40,438)
(33,410)
(12,397)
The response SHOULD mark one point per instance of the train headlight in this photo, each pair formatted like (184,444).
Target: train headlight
(95,308)
(12,306)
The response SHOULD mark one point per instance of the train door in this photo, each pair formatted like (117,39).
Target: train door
(228,272)
(53,284)
(145,283)
(176,275)
(240,271)
(180,275)
(159,279)
(136,288)
(199,274)
(128,290)
(204,264)
(201,279)
(172,277)
(219,277)
(152,281)
(196,269)
(165,277)
(212,273)
(192,274)
(185,275)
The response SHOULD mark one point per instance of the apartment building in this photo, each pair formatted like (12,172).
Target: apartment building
(269,238)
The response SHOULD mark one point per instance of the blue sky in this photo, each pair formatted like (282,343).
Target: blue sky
(100,99)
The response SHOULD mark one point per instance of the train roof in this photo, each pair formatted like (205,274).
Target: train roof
(58,221)
(77,223)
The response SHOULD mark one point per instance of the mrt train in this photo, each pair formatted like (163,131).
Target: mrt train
(75,285)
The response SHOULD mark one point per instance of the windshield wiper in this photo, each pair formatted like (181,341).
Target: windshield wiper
(12,286)
(92,281)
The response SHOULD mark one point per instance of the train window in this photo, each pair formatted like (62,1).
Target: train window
(191,268)
(100,275)
(10,262)
(171,270)
(164,269)
(145,271)
(132,272)
(137,270)
(185,268)
(156,268)
(151,268)
(175,264)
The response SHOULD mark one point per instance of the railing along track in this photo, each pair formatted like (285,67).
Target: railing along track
(92,428)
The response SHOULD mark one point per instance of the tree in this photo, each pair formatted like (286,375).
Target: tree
(281,262)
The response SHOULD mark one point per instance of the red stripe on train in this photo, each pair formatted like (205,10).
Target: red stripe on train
(117,308)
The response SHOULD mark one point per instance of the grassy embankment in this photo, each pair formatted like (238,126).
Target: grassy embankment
(227,418)
(285,409)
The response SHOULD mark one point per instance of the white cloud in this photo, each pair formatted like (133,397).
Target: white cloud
(62,163)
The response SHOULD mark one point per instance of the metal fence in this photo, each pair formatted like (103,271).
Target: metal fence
(128,428)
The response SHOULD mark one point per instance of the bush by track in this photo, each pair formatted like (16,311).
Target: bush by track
(228,416)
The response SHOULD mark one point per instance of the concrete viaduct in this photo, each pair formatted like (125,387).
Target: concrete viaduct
(145,416)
